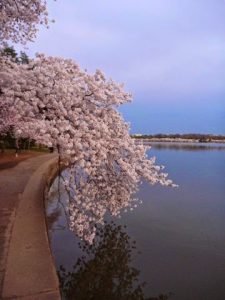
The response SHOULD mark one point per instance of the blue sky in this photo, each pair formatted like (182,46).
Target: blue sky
(169,53)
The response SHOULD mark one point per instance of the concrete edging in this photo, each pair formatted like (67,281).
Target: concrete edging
(30,270)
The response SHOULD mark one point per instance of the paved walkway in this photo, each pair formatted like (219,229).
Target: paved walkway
(9,160)
(13,181)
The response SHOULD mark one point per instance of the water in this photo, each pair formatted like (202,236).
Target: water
(180,234)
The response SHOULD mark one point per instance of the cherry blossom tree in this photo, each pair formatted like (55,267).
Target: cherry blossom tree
(54,102)
(19,19)
(61,106)
(8,118)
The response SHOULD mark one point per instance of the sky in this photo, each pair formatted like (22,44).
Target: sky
(170,54)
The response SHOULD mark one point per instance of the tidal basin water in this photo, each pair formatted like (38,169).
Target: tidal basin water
(174,241)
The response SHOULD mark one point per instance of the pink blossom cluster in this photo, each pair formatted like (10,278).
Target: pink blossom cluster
(7,115)
(19,19)
(58,104)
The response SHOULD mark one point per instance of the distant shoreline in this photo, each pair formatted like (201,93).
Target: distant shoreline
(167,140)
(186,138)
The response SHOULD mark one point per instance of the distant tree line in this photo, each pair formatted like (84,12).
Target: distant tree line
(188,136)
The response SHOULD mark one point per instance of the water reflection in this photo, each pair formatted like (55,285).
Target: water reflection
(52,218)
(56,217)
(105,271)
(180,233)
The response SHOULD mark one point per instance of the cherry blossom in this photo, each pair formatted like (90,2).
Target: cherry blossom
(61,106)
(19,19)
(7,115)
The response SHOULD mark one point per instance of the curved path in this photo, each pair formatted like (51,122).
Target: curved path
(26,266)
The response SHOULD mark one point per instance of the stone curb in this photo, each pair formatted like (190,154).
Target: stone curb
(30,270)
